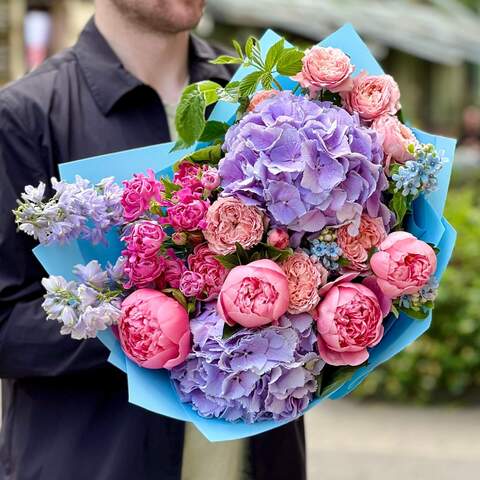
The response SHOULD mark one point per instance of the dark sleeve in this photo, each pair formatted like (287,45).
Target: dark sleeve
(30,346)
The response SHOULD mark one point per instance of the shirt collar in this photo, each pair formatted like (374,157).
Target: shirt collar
(109,81)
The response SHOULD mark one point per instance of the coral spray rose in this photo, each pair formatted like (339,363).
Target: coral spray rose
(254,295)
(260,97)
(154,329)
(403,264)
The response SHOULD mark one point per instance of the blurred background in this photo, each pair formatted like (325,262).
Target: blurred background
(416,417)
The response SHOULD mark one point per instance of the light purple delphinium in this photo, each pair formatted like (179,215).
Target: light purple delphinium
(310,164)
(253,375)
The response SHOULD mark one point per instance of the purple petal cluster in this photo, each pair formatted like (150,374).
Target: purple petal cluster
(310,164)
(253,375)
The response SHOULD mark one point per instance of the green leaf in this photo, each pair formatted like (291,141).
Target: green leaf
(421,314)
(209,90)
(399,204)
(249,83)
(290,62)
(170,187)
(213,130)
(266,79)
(276,254)
(395,311)
(190,115)
(228,331)
(230,93)
(241,254)
(334,377)
(226,59)
(210,155)
(249,46)
(237,48)
(343,262)
(228,261)
(177,295)
(179,145)
(273,54)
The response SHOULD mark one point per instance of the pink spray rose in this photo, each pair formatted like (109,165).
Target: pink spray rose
(137,194)
(356,248)
(373,96)
(203,262)
(304,280)
(230,221)
(142,271)
(325,68)
(172,271)
(349,320)
(403,264)
(395,138)
(210,178)
(278,238)
(145,238)
(154,329)
(191,284)
(260,97)
(189,214)
(188,175)
(254,295)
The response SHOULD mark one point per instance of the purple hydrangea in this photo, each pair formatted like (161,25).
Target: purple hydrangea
(253,375)
(310,164)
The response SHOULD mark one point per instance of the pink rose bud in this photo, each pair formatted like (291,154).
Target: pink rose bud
(403,264)
(395,138)
(210,179)
(304,280)
(260,97)
(325,68)
(254,295)
(154,329)
(373,96)
(278,238)
(349,320)
(189,215)
(191,284)
(356,248)
(179,238)
(230,221)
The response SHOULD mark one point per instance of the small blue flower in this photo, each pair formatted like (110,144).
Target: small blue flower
(327,253)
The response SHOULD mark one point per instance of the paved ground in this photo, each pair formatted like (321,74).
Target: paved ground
(354,441)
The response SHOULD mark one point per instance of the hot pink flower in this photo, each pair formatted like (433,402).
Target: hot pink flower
(229,221)
(254,295)
(403,264)
(154,329)
(137,194)
(188,175)
(188,216)
(142,271)
(304,280)
(191,284)
(260,97)
(349,320)
(325,68)
(395,138)
(172,272)
(356,248)
(203,262)
(373,96)
(278,238)
(145,238)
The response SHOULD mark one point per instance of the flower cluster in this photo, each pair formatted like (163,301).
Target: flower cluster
(253,375)
(75,210)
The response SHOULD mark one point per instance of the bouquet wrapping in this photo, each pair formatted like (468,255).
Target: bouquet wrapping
(272,257)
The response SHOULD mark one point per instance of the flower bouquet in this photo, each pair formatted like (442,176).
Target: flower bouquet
(272,257)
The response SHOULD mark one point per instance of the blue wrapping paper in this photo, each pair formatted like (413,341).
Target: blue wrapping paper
(152,389)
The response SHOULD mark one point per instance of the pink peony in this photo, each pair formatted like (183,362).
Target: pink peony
(229,221)
(191,284)
(395,138)
(154,329)
(254,295)
(145,238)
(304,280)
(137,194)
(373,96)
(403,264)
(325,68)
(356,248)
(278,238)
(210,179)
(349,320)
(203,262)
(188,215)
(188,175)
(142,271)
(260,97)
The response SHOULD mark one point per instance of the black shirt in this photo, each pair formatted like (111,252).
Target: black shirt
(65,410)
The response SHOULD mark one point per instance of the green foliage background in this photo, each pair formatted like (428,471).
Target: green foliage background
(444,364)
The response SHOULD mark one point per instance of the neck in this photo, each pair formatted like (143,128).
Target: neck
(158,59)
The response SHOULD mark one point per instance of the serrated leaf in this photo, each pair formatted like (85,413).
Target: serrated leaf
(237,48)
(273,54)
(209,90)
(226,59)
(211,155)
(190,115)
(249,45)
(249,83)
(213,130)
(266,80)
(179,145)
(290,62)
(230,93)
(170,187)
